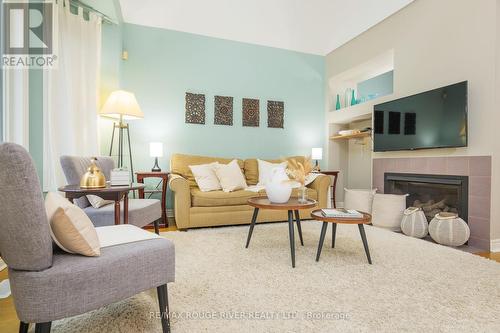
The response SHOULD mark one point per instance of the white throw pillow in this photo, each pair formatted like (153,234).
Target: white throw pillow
(230,176)
(266,170)
(98,202)
(359,199)
(387,211)
(70,228)
(205,177)
(73,232)
(53,201)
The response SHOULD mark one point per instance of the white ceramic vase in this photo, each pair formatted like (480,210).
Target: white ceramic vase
(279,189)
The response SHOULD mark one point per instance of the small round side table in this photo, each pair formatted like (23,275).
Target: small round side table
(115,193)
(318,215)
(293,205)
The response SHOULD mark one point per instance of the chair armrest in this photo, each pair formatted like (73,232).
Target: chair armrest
(182,200)
(321,185)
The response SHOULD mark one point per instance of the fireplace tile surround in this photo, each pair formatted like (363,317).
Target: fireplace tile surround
(477,168)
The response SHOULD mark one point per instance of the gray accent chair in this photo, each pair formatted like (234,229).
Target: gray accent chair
(48,284)
(141,212)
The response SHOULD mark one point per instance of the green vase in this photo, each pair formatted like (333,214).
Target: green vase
(337,106)
(353,98)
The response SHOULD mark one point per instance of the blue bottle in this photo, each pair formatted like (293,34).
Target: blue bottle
(353,99)
(337,106)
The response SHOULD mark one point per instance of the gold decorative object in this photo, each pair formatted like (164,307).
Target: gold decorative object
(93,178)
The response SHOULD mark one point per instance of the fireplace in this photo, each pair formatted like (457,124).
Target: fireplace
(433,193)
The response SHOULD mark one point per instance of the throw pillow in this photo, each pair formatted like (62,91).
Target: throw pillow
(54,200)
(388,210)
(98,202)
(266,170)
(73,232)
(230,176)
(359,199)
(205,177)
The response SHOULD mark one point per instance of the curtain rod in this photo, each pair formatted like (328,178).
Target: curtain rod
(105,18)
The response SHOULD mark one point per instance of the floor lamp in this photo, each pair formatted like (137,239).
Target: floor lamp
(122,105)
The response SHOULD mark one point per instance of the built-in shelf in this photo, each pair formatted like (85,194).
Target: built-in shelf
(356,112)
(351,136)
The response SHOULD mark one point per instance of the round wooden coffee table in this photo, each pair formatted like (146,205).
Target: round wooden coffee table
(318,215)
(293,205)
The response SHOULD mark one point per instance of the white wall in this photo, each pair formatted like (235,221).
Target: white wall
(437,43)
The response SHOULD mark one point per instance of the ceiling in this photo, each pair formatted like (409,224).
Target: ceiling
(311,26)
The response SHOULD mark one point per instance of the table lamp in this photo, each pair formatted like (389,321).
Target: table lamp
(317,154)
(121,105)
(156,150)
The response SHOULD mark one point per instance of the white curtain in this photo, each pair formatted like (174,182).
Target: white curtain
(71,93)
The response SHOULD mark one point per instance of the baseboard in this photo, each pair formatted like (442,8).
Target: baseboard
(495,245)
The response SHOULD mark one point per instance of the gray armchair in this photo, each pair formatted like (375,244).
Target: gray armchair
(141,212)
(49,285)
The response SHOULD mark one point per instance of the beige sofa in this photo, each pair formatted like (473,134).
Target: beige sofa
(194,208)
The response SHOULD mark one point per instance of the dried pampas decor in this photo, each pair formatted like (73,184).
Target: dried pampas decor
(298,172)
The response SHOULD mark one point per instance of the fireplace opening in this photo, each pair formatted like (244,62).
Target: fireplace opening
(432,193)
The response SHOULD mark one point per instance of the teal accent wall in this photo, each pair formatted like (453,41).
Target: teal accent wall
(163,65)
(111,49)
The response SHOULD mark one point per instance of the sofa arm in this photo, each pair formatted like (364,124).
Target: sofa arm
(182,200)
(321,185)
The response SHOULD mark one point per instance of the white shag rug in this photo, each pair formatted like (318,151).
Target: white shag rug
(412,286)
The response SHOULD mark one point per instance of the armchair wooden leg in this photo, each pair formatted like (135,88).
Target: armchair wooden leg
(23,327)
(157,226)
(164,310)
(43,327)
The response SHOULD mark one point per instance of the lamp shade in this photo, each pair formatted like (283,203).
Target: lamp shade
(156,149)
(121,103)
(317,153)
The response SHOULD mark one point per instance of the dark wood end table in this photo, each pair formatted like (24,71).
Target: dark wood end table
(366,219)
(115,193)
(164,187)
(293,205)
(333,187)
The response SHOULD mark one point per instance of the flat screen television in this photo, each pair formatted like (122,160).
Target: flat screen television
(432,119)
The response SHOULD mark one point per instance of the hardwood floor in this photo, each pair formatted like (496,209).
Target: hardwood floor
(490,255)
(8,318)
(9,323)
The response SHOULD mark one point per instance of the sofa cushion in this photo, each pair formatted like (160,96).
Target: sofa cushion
(220,198)
(240,197)
(179,164)
(251,168)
